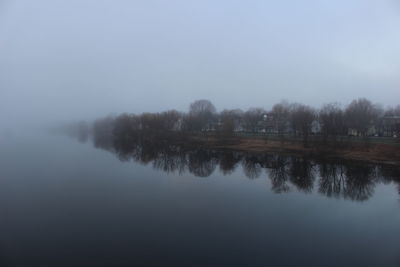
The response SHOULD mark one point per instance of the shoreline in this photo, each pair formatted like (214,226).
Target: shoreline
(367,152)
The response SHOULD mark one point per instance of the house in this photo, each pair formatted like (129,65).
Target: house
(370,131)
(390,126)
(315,127)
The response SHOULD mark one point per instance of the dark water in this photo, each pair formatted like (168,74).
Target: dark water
(65,203)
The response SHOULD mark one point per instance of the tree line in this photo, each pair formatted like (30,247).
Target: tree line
(360,118)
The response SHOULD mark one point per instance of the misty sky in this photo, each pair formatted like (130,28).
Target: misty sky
(82,59)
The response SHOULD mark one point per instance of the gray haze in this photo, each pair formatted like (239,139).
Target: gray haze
(83,59)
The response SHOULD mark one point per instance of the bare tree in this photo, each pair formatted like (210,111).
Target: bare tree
(280,116)
(151,122)
(230,120)
(361,114)
(302,117)
(202,106)
(201,115)
(126,126)
(171,120)
(331,118)
(393,111)
(251,119)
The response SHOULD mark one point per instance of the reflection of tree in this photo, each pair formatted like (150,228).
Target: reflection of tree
(78,130)
(149,152)
(278,172)
(390,174)
(170,160)
(228,161)
(360,182)
(332,180)
(302,174)
(125,149)
(103,133)
(251,166)
(354,181)
(201,163)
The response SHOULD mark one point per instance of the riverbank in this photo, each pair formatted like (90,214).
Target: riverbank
(355,150)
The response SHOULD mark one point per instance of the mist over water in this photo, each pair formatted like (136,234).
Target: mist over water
(65,202)
(69,197)
(338,178)
(80,60)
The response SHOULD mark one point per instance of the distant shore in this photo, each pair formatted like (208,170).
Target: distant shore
(356,150)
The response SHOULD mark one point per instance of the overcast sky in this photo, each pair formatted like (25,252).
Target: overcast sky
(82,59)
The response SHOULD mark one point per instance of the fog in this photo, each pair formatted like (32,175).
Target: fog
(70,60)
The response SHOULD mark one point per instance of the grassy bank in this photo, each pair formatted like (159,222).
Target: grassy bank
(346,148)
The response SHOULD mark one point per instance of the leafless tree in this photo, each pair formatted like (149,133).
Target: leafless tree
(301,119)
(251,119)
(331,118)
(280,116)
(171,120)
(393,111)
(150,122)
(201,115)
(230,120)
(361,114)
(202,106)
(390,122)
(125,125)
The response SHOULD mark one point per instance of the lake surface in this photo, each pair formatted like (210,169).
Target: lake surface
(68,203)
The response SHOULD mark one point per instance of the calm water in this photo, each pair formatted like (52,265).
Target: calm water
(66,203)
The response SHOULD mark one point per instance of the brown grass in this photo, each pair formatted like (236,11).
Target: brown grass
(377,153)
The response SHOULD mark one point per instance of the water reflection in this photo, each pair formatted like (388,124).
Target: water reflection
(339,179)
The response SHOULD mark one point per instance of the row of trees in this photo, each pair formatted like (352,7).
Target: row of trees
(358,118)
